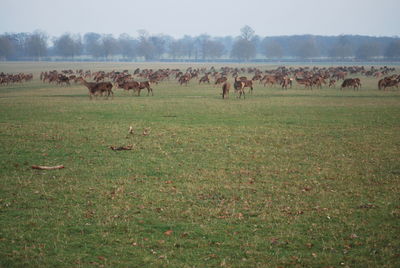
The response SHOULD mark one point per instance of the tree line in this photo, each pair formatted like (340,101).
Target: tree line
(245,47)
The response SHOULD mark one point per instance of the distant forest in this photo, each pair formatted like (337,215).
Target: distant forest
(248,46)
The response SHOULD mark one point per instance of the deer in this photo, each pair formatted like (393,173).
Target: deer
(304,81)
(268,79)
(143,85)
(184,79)
(136,86)
(204,79)
(101,87)
(220,80)
(249,84)
(351,82)
(225,89)
(239,87)
(286,81)
(332,83)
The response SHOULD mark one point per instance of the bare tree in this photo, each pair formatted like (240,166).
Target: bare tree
(307,48)
(247,33)
(158,43)
(176,49)
(393,49)
(368,50)
(36,45)
(68,45)
(342,48)
(127,46)
(272,49)
(109,46)
(188,46)
(6,47)
(92,44)
(244,48)
(151,47)
(215,49)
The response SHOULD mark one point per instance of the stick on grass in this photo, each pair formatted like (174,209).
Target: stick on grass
(47,167)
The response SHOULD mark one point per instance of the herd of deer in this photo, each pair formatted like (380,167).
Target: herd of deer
(284,77)
(389,81)
(6,79)
(309,77)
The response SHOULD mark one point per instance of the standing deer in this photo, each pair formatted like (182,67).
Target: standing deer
(225,89)
(101,87)
(239,88)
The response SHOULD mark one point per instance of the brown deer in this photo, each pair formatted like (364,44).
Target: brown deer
(136,86)
(204,79)
(225,89)
(388,82)
(220,80)
(101,87)
(249,84)
(304,81)
(351,82)
(332,83)
(143,85)
(268,79)
(287,81)
(256,77)
(128,85)
(239,88)
(184,79)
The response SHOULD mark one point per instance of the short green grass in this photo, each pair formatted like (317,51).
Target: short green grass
(284,178)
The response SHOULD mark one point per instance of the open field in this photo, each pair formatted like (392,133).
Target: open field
(283,178)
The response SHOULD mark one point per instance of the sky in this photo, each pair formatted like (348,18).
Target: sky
(213,17)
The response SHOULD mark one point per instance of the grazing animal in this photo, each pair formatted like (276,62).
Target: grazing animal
(351,82)
(332,82)
(256,77)
(318,81)
(204,79)
(358,82)
(287,81)
(220,80)
(128,85)
(101,87)
(143,85)
(225,89)
(249,84)
(387,82)
(63,79)
(136,86)
(304,81)
(184,79)
(269,79)
(239,88)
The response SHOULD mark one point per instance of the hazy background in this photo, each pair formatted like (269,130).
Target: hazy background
(214,17)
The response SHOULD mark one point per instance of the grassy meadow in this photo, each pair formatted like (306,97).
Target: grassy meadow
(284,178)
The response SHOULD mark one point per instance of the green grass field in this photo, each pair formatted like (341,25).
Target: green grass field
(283,178)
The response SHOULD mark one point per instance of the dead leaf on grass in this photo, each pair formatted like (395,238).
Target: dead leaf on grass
(169,232)
(309,245)
(353,236)
(121,148)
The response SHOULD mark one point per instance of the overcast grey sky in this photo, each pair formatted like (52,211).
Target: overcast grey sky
(214,17)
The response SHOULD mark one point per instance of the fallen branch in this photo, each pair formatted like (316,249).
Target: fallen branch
(121,148)
(47,167)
